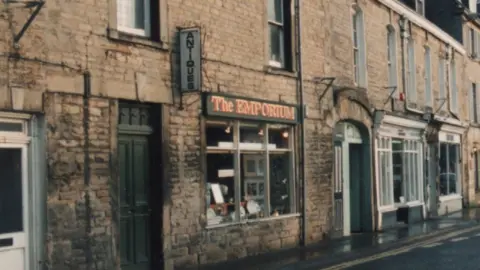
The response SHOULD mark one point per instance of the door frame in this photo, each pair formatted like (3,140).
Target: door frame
(154,134)
(344,137)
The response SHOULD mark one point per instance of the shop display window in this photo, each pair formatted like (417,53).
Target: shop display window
(250,171)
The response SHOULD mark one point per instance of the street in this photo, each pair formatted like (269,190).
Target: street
(458,250)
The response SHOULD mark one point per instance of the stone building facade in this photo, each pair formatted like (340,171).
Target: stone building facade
(108,143)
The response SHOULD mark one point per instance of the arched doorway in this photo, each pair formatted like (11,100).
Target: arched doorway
(352,208)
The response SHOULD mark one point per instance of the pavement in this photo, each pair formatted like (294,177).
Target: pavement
(424,245)
(458,251)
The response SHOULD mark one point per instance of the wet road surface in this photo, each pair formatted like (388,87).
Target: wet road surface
(460,251)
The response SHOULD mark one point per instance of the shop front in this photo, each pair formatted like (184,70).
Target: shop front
(250,159)
(448,177)
(399,171)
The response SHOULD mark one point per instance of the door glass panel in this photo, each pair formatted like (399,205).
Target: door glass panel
(11,203)
(11,127)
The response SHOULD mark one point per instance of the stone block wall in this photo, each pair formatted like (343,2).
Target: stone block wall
(79,225)
(472,69)
(71,36)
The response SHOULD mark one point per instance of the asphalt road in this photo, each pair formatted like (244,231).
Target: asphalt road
(459,251)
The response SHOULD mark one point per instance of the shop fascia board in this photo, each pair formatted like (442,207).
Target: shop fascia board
(403,122)
(423,23)
(451,125)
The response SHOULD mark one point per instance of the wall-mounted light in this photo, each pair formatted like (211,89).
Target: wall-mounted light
(474,149)
(260,132)
(228,129)
(285,134)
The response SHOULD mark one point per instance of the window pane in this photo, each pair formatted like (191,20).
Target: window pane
(355,65)
(453,86)
(276,43)
(428,79)
(139,14)
(253,185)
(252,137)
(416,177)
(131,13)
(453,168)
(11,127)
(355,30)
(220,191)
(444,170)
(220,135)
(279,137)
(275,10)
(280,184)
(11,203)
(397,161)
(385,178)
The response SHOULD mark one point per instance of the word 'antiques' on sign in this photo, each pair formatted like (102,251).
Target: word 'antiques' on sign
(236,107)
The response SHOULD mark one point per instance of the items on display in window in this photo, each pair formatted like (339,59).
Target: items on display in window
(221,173)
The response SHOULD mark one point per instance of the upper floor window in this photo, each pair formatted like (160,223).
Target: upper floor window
(428,77)
(441,82)
(279,24)
(133,17)
(417,5)
(472,42)
(411,72)
(473,103)
(391,56)
(453,88)
(359,57)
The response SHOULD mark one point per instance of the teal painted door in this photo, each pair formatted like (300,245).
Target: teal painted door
(355,187)
(134,202)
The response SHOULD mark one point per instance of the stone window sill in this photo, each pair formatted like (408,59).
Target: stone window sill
(278,71)
(116,35)
(451,197)
(252,221)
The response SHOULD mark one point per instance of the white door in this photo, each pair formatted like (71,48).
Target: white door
(13,207)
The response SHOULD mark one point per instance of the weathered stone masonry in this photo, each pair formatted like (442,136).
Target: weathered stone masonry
(68,244)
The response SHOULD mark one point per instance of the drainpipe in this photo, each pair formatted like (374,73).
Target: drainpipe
(298,52)
(403,35)
(86,167)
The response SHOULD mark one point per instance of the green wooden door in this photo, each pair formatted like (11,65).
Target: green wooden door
(134,202)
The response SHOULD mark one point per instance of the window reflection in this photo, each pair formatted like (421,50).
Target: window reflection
(397,162)
(449,168)
(253,161)
(11,203)
(220,190)
(280,184)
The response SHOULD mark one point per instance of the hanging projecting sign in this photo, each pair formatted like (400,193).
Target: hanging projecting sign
(246,108)
(190,60)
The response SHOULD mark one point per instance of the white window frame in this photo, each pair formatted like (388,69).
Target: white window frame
(389,132)
(476,41)
(428,77)
(442,83)
(472,42)
(385,174)
(453,87)
(411,72)
(281,25)
(146,31)
(473,104)
(443,139)
(412,186)
(392,57)
(420,7)
(358,48)
(236,147)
